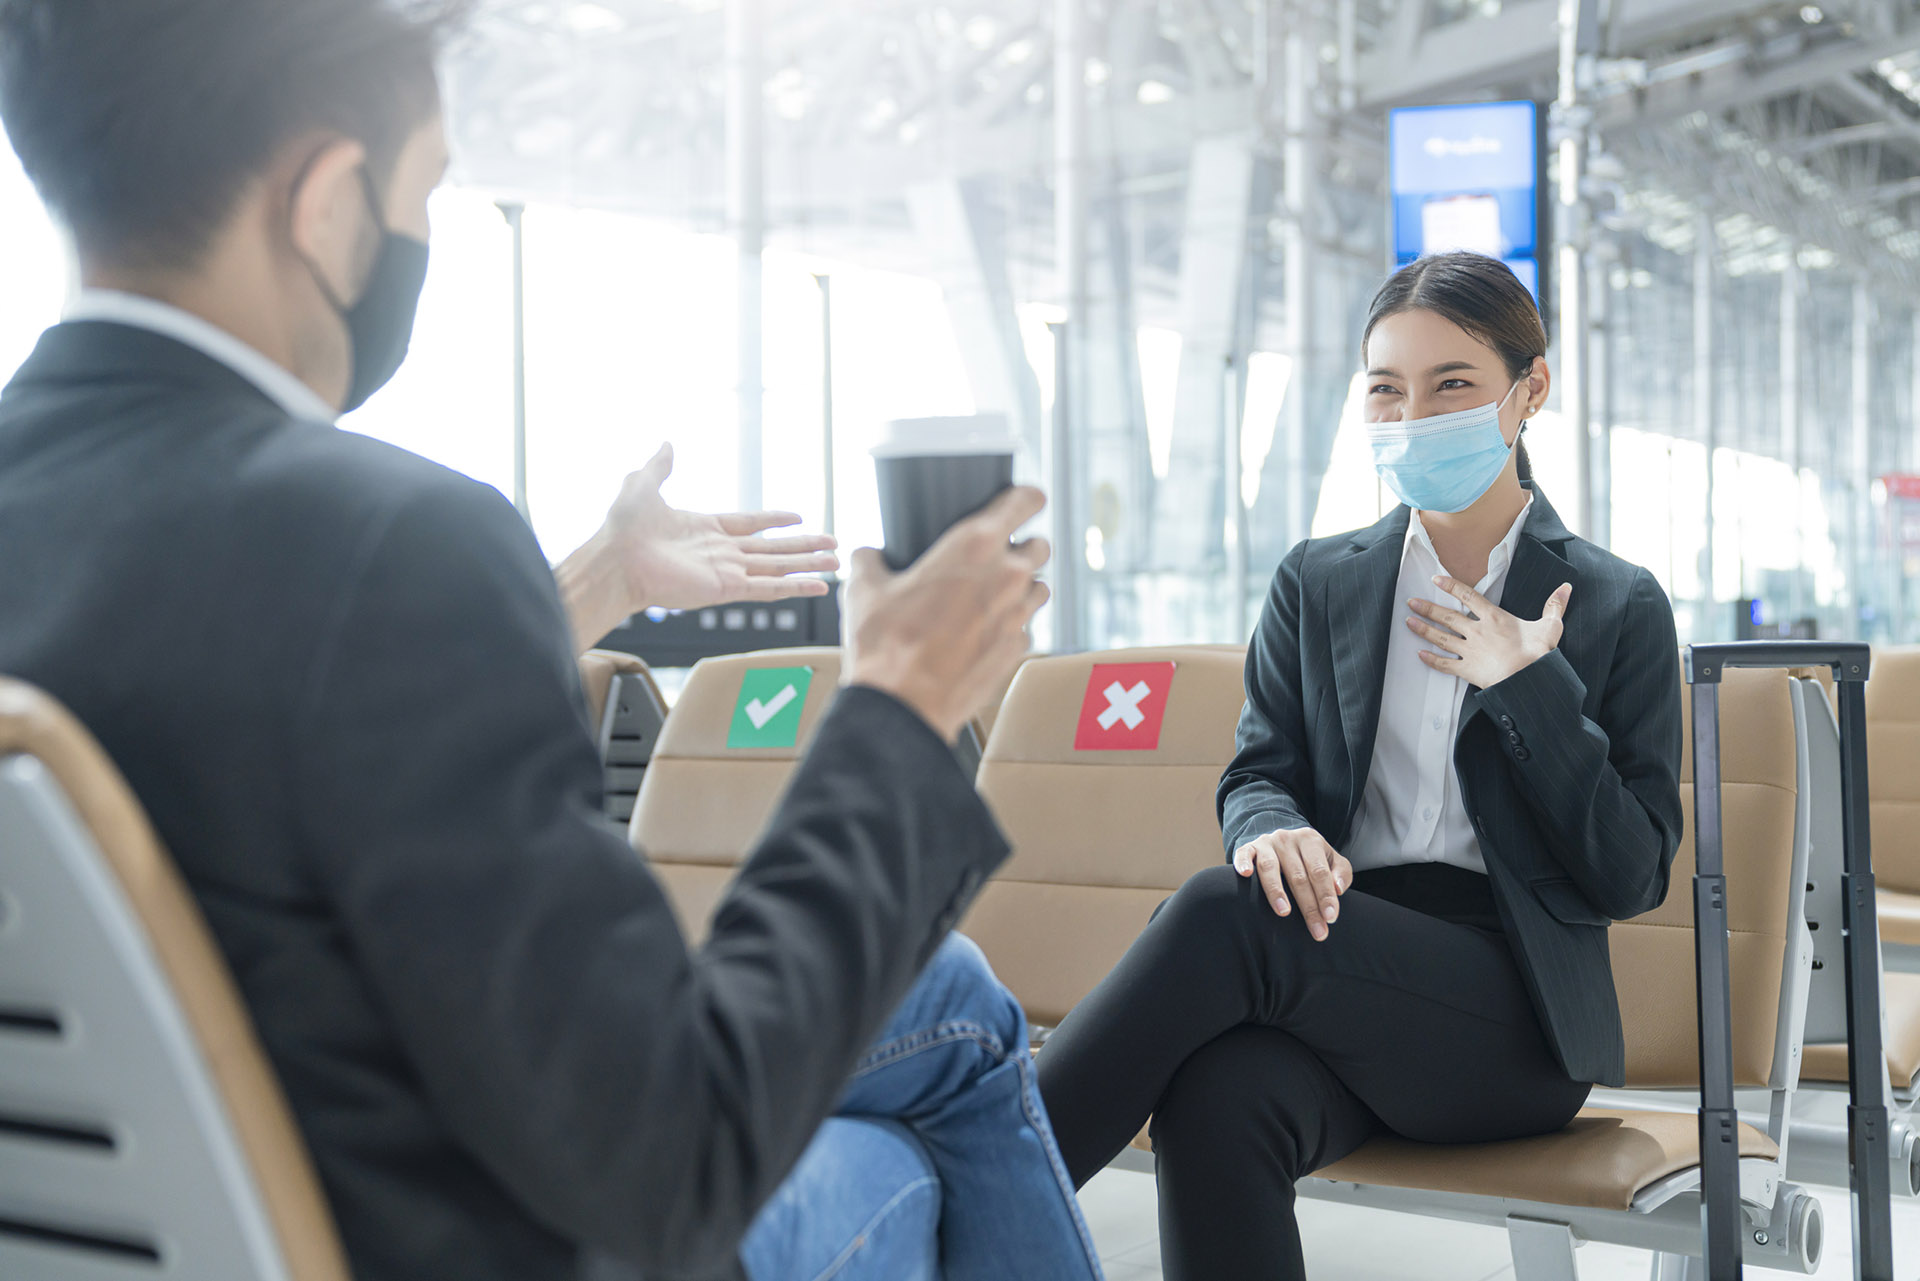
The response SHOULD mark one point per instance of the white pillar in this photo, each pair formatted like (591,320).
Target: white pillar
(1860,470)
(1071,165)
(1792,449)
(747,217)
(1572,119)
(1299,165)
(515,215)
(1705,420)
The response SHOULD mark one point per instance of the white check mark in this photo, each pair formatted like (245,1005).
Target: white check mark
(760,713)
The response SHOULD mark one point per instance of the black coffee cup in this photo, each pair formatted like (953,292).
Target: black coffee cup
(936,472)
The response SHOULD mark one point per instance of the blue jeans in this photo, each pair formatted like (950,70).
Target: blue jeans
(939,1164)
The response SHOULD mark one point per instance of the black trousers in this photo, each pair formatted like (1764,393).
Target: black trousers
(1263,1055)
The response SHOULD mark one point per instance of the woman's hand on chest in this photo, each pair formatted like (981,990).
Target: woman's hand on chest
(1485,644)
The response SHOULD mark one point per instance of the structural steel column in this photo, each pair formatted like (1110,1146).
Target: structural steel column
(1071,175)
(1705,420)
(1572,122)
(747,217)
(515,214)
(830,515)
(1908,454)
(1236,533)
(1600,377)
(1299,165)
(1792,449)
(970,266)
(1860,470)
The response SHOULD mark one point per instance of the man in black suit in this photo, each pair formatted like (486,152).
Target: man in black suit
(341,680)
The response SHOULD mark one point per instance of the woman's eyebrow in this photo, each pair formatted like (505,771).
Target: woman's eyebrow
(1450,367)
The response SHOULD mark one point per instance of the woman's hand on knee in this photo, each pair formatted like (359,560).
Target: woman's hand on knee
(1298,866)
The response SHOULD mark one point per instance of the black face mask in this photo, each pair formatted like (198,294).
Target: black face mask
(380,325)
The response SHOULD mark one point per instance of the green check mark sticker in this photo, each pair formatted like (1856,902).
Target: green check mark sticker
(767,713)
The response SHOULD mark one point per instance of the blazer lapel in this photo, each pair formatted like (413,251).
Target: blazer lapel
(1360,610)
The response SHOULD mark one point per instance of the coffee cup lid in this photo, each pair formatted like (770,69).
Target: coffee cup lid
(944,437)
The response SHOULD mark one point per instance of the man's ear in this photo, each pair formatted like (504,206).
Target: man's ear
(328,216)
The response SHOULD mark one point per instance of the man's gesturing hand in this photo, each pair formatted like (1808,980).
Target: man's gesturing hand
(943,635)
(688,560)
(1298,866)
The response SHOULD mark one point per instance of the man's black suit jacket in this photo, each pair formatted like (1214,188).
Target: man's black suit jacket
(1570,767)
(338,677)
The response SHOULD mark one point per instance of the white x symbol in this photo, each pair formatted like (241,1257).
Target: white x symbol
(1123,704)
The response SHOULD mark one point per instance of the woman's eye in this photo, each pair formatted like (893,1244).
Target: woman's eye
(1383,390)
(1454,384)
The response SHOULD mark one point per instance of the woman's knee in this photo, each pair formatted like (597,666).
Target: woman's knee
(1218,901)
(1248,1095)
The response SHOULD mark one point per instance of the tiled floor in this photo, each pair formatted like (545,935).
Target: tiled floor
(1346,1243)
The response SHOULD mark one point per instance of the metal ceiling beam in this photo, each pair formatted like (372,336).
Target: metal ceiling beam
(1845,136)
(1470,57)
(1784,66)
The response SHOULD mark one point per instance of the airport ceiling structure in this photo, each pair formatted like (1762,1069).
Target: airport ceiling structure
(1793,122)
(1219,167)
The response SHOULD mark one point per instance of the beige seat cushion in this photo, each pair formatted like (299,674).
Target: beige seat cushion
(1899,917)
(1100,838)
(1601,1161)
(1893,767)
(702,804)
(1901,995)
(1759,781)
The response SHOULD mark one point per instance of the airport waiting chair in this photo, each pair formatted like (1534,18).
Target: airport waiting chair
(1893,750)
(1100,837)
(1825,1064)
(1631,1176)
(142,1133)
(705,799)
(601,668)
(627,712)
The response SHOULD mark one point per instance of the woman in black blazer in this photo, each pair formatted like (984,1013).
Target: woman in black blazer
(1458,761)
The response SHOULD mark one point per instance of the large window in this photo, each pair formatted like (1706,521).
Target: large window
(34,266)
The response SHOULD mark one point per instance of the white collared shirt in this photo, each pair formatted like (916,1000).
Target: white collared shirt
(278,384)
(1411,810)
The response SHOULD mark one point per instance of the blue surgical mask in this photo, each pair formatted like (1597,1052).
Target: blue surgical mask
(1443,463)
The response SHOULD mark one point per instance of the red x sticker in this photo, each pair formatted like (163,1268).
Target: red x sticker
(1124,706)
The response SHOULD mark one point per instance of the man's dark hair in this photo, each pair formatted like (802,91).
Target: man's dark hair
(141,122)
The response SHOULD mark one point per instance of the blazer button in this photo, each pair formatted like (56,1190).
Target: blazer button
(1521,754)
(1506,722)
(1513,736)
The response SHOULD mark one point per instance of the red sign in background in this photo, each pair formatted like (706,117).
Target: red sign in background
(1124,707)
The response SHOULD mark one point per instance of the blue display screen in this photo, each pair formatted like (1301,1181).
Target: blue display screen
(1468,177)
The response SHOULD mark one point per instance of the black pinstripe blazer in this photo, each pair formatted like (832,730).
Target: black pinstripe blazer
(1570,768)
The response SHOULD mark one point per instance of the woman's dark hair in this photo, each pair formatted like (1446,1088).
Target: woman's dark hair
(142,121)
(1479,294)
